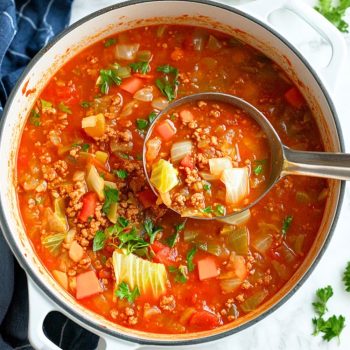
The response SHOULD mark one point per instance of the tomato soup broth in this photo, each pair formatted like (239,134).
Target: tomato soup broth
(97,226)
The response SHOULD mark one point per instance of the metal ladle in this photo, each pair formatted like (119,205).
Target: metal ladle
(284,161)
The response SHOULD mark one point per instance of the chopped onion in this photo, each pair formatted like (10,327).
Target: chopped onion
(230,285)
(199,36)
(218,165)
(236,181)
(213,43)
(160,103)
(126,52)
(145,94)
(238,219)
(128,108)
(179,150)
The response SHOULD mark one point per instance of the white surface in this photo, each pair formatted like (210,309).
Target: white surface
(290,326)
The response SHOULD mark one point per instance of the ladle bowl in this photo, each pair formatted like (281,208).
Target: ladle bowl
(284,161)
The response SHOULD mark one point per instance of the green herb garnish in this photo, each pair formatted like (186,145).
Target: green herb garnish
(286,224)
(99,241)
(140,67)
(151,230)
(85,147)
(189,258)
(45,104)
(207,210)
(85,104)
(180,273)
(220,210)
(207,187)
(112,196)
(34,118)
(174,238)
(107,78)
(334,12)
(141,124)
(166,85)
(64,108)
(121,173)
(346,277)
(109,42)
(124,292)
(152,116)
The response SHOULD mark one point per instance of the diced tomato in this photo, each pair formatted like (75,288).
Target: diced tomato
(207,268)
(187,162)
(186,116)
(147,198)
(294,97)
(204,320)
(89,205)
(166,129)
(131,85)
(163,253)
(87,285)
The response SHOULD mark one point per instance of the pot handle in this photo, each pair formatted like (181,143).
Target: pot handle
(263,8)
(39,307)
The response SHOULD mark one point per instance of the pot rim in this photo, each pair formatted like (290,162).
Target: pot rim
(114,333)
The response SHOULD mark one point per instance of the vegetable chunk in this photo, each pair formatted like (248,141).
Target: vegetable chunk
(87,285)
(207,268)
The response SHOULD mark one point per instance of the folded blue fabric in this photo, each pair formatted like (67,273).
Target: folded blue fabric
(25,27)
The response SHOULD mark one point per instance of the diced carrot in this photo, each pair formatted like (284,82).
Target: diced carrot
(294,97)
(186,116)
(207,268)
(102,169)
(147,198)
(131,85)
(143,76)
(89,205)
(166,129)
(76,251)
(153,148)
(87,285)
(177,54)
(204,319)
(61,278)
(163,254)
(187,162)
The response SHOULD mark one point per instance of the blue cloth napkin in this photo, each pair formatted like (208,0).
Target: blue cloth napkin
(25,27)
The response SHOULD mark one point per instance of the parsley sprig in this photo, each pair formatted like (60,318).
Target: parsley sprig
(334,13)
(286,224)
(151,229)
(180,273)
(331,327)
(140,67)
(124,292)
(107,78)
(346,277)
(112,196)
(169,82)
(174,238)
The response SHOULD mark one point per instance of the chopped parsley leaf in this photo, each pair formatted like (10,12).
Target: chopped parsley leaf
(112,196)
(121,173)
(99,241)
(174,238)
(168,69)
(34,118)
(189,258)
(164,84)
(107,78)
(179,272)
(140,67)
(286,224)
(151,230)
(45,104)
(258,169)
(166,88)
(207,210)
(141,124)
(124,292)
(346,277)
(109,42)
(64,108)
(85,147)
(152,116)
(207,187)
(85,104)
(220,210)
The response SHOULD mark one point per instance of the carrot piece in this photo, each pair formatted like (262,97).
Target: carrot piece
(102,169)
(147,198)
(187,162)
(166,129)
(89,205)
(294,97)
(186,116)
(163,254)
(143,76)
(207,268)
(177,54)
(131,85)
(204,319)
(76,251)
(87,285)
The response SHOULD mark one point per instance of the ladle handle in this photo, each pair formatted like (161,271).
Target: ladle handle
(318,164)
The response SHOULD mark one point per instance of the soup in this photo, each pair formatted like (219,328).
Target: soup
(97,226)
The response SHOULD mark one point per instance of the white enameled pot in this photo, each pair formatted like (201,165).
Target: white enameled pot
(248,23)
